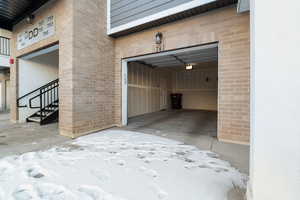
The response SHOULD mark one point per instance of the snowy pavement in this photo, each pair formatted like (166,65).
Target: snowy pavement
(118,165)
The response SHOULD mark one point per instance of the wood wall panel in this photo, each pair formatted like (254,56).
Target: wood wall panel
(148,89)
(199,87)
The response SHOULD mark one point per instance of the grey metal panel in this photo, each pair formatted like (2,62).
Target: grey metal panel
(122,4)
(175,17)
(124,11)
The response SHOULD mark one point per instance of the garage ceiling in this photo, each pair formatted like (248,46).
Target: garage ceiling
(13,11)
(181,57)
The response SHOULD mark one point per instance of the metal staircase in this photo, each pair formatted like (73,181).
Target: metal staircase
(45,100)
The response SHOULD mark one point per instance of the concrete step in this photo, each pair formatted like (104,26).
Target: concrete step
(34,119)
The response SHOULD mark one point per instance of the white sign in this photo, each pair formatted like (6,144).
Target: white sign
(40,31)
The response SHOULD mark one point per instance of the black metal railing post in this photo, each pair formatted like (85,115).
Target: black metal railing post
(41,105)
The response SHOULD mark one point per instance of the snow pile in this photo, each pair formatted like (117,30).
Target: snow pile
(118,165)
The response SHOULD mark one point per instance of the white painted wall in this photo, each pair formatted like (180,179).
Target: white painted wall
(275,100)
(34,73)
(4,61)
(4,91)
(148,89)
(7,94)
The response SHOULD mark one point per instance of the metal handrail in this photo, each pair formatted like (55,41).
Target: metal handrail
(41,93)
(48,95)
(42,87)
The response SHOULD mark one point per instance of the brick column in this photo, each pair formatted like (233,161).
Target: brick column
(87,94)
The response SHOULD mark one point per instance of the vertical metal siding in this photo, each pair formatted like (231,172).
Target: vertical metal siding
(125,11)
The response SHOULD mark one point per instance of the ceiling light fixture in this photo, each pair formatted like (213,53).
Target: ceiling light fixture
(189,67)
(158,38)
(30,18)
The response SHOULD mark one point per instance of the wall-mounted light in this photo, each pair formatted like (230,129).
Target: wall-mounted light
(189,67)
(29,19)
(158,38)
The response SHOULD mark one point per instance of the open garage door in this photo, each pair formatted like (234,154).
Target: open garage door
(190,73)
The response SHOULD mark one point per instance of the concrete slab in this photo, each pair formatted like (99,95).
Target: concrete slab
(194,127)
(25,137)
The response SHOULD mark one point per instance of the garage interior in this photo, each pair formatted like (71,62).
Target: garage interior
(191,73)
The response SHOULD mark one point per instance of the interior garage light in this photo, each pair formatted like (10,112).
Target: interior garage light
(189,67)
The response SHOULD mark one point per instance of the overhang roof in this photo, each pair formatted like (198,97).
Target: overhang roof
(13,11)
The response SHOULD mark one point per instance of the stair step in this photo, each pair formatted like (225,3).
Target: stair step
(34,119)
(53,105)
(47,110)
(38,114)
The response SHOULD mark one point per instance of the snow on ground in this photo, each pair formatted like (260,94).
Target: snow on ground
(118,165)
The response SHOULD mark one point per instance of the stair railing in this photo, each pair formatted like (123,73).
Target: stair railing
(48,95)
(53,85)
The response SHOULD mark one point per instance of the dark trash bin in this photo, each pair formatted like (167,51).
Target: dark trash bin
(176,101)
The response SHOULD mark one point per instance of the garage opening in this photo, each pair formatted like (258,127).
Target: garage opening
(38,97)
(172,92)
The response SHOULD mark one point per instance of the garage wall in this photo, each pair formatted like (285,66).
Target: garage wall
(34,73)
(148,89)
(199,87)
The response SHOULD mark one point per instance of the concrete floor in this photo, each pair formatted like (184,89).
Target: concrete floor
(25,137)
(194,127)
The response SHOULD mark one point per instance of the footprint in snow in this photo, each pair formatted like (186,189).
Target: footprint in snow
(219,169)
(180,153)
(101,175)
(140,156)
(189,160)
(96,193)
(36,172)
(25,192)
(212,155)
(149,172)
(161,194)
(53,191)
(121,162)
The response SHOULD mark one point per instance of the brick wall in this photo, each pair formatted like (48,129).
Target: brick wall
(90,64)
(231,31)
(63,11)
(86,69)
(92,71)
